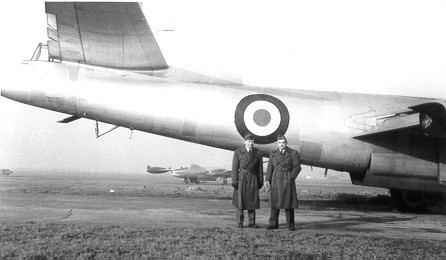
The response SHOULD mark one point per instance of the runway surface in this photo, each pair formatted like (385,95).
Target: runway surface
(163,201)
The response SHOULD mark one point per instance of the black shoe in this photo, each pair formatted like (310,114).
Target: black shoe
(240,226)
(292,228)
(272,227)
(253,226)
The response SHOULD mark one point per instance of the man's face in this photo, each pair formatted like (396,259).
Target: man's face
(249,144)
(281,144)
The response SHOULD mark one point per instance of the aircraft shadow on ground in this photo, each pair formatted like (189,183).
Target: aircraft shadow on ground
(338,222)
(382,203)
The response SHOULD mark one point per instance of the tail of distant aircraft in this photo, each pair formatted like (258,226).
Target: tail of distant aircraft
(195,167)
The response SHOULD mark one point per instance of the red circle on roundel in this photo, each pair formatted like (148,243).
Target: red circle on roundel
(262,117)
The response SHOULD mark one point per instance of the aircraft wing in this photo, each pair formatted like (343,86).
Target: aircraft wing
(109,34)
(428,117)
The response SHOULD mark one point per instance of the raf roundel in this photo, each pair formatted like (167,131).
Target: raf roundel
(263,116)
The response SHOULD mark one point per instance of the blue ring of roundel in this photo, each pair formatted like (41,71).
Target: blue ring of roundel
(240,122)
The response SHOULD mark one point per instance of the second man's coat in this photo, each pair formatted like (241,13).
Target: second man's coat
(281,173)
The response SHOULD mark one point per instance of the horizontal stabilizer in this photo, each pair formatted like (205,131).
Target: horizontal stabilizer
(68,119)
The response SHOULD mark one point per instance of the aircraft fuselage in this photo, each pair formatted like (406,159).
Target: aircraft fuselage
(321,125)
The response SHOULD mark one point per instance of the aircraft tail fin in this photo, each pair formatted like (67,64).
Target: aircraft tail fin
(108,34)
(195,167)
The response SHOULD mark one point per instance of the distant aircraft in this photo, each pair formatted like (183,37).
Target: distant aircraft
(6,172)
(105,65)
(195,173)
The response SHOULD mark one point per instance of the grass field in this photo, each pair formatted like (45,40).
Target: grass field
(60,241)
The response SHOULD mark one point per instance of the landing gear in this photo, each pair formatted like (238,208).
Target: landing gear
(411,201)
(196,181)
(222,181)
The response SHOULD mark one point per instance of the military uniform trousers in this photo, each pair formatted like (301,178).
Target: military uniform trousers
(240,217)
(274,217)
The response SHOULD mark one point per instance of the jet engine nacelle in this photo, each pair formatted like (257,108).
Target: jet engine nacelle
(157,170)
(432,119)
(404,172)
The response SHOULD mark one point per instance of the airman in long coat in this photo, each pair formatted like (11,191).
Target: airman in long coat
(247,179)
(282,171)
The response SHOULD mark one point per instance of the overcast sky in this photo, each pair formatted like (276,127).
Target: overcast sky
(384,47)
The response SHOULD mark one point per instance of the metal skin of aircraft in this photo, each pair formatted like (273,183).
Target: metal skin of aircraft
(105,65)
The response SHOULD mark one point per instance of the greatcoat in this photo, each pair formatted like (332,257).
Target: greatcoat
(247,172)
(281,173)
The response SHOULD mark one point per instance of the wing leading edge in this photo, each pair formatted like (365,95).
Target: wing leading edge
(108,34)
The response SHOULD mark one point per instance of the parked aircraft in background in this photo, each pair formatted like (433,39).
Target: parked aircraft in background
(157,170)
(195,173)
(5,172)
(105,65)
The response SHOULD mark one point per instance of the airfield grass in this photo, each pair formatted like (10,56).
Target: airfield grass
(62,241)
(32,240)
(137,186)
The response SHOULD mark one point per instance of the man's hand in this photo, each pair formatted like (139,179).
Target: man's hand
(235,185)
(267,185)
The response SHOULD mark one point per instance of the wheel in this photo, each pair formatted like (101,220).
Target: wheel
(410,201)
